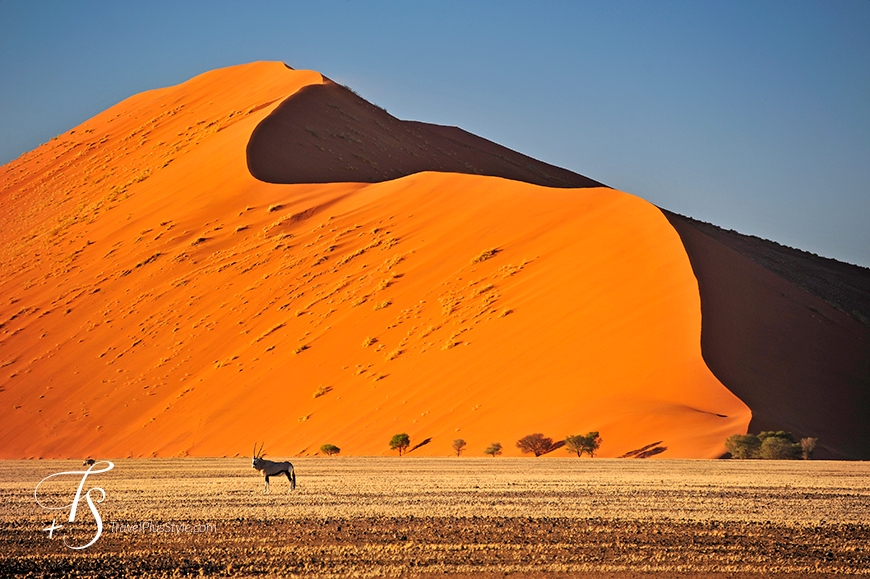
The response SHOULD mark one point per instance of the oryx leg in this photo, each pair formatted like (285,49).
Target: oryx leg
(265,490)
(289,479)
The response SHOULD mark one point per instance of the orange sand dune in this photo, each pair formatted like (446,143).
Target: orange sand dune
(158,300)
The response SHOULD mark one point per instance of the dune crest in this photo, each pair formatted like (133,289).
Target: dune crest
(326,133)
(159,300)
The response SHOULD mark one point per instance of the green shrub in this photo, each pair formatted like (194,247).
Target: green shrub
(574,443)
(493,449)
(593,443)
(808,445)
(588,443)
(764,435)
(779,448)
(769,444)
(536,444)
(329,449)
(400,442)
(743,445)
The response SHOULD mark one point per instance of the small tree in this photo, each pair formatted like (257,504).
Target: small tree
(329,449)
(743,445)
(575,443)
(400,442)
(592,442)
(458,446)
(776,434)
(779,448)
(493,449)
(808,445)
(536,444)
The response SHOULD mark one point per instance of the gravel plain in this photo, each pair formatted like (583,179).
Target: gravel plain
(373,517)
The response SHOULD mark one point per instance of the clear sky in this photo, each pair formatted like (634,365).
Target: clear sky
(752,115)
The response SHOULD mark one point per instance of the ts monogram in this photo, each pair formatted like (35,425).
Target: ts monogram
(73,506)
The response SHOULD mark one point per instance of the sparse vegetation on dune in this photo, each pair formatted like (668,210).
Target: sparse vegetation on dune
(485,254)
(358,517)
(393,354)
(450,342)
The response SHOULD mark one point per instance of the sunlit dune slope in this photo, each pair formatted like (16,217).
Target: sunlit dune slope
(158,300)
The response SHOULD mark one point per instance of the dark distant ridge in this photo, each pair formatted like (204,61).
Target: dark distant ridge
(785,330)
(843,285)
(326,133)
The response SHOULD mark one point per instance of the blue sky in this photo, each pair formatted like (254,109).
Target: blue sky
(751,115)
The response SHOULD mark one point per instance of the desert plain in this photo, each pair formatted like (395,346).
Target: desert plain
(468,516)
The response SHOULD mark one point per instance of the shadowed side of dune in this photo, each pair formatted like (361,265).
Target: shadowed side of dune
(843,285)
(327,134)
(797,361)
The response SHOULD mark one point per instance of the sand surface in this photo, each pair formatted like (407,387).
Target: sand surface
(158,300)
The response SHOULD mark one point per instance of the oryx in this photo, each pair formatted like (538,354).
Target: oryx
(89,462)
(271,468)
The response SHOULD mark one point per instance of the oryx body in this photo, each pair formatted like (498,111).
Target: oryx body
(272,468)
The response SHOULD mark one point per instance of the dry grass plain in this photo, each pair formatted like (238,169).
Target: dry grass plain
(371,517)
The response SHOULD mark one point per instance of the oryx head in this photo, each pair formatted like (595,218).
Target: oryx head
(258,455)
